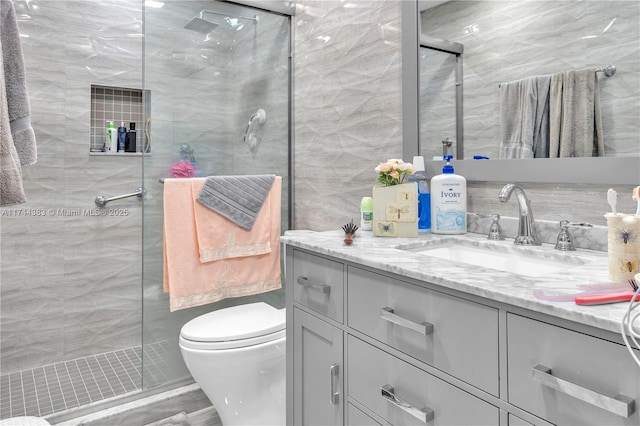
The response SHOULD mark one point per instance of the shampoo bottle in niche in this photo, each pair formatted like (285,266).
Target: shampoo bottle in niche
(122,134)
(130,140)
(448,201)
(110,144)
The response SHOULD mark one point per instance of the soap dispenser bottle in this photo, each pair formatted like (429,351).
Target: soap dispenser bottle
(424,198)
(448,201)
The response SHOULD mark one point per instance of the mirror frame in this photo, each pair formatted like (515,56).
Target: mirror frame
(595,170)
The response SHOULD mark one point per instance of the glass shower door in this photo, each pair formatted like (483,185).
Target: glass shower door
(209,68)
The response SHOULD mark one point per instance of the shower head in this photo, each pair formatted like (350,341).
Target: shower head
(200,25)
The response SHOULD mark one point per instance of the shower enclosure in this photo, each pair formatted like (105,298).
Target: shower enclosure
(225,63)
(83,316)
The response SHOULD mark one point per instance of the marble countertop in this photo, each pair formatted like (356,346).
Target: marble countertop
(586,270)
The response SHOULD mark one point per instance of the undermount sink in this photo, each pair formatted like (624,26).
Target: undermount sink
(516,260)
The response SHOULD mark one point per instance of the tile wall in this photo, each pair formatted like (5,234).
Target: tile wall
(348,105)
(349,114)
(70,281)
(70,277)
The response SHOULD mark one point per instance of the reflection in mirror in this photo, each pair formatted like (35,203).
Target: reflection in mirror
(505,41)
(440,99)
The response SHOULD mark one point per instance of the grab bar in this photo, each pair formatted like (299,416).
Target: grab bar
(102,201)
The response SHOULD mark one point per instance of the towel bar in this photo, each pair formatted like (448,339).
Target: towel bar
(102,201)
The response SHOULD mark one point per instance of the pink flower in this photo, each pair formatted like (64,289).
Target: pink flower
(393,171)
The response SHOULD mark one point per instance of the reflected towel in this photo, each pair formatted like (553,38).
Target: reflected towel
(238,198)
(11,190)
(220,239)
(524,109)
(24,138)
(574,108)
(192,283)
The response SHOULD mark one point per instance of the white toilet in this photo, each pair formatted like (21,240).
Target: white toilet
(237,356)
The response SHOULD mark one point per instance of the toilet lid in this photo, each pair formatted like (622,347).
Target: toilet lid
(235,323)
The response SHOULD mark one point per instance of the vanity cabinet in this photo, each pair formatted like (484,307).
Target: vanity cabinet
(318,371)
(431,326)
(570,378)
(367,346)
(403,394)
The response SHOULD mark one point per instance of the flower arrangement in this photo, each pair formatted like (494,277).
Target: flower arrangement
(393,172)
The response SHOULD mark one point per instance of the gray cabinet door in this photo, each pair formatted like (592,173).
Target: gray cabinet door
(317,371)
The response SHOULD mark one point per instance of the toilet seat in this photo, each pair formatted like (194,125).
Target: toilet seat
(235,327)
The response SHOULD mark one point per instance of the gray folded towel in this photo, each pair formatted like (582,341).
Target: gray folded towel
(238,198)
(11,190)
(24,138)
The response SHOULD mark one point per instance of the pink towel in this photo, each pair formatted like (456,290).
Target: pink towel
(190,282)
(219,238)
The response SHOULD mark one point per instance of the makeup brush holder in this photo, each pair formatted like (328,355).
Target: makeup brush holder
(623,246)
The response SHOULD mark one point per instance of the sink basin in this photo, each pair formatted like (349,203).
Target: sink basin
(516,260)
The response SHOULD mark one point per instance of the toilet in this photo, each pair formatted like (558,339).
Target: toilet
(237,356)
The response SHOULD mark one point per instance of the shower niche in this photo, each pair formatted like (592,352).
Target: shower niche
(122,106)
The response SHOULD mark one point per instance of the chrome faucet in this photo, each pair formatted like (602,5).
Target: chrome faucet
(526,230)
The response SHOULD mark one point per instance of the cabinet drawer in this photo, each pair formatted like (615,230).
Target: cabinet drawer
(375,377)
(358,418)
(460,338)
(318,283)
(552,371)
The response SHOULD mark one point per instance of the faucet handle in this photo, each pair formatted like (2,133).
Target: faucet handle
(495,231)
(565,240)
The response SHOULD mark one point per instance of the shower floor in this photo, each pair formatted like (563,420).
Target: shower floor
(58,387)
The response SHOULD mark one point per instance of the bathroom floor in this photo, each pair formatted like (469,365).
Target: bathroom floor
(58,387)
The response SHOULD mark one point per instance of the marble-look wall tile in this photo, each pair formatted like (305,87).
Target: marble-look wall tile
(71,279)
(348,105)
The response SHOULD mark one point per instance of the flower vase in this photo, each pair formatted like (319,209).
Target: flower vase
(395,210)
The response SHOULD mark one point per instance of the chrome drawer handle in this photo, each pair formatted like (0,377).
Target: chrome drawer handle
(621,405)
(388,314)
(334,371)
(304,282)
(424,415)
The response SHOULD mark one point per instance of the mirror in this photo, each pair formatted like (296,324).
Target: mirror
(603,43)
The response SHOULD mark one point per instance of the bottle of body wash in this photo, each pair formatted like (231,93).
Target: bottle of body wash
(110,145)
(122,134)
(448,201)
(130,141)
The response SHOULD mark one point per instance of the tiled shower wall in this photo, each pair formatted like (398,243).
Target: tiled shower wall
(70,279)
(349,118)
(510,40)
